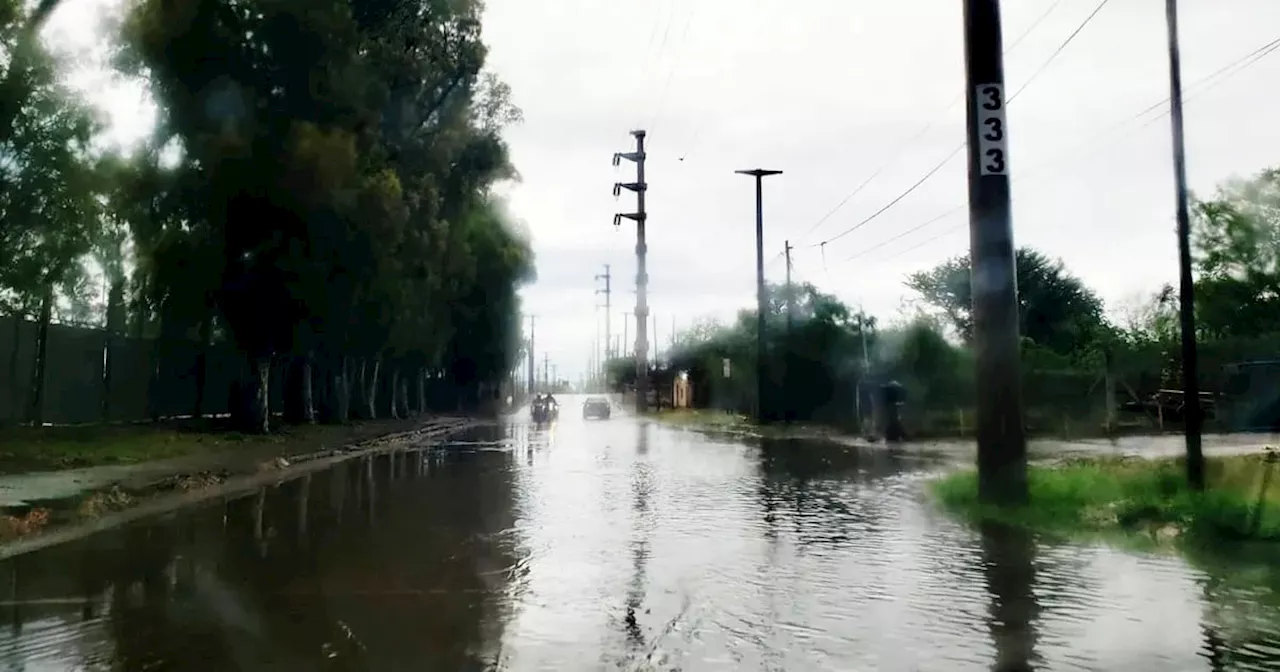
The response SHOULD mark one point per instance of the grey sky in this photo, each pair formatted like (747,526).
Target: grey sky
(829,91)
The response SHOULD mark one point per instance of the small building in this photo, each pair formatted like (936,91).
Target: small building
(681,391)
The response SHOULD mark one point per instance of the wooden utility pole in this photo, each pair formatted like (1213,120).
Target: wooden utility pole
(639,187)
(1186,283)
(761,307)
(1002,447)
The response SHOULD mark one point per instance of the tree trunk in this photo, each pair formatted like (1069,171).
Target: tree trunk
(422,391)
(403,395)
(395,386)
(35,409)
(15,387)
(370,385)
(202,364)
(253,407)
(299,401)
(360,387)
(115,326)
(342,391)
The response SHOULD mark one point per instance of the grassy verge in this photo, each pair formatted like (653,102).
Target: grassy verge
(25,449)
(732,423)
(224,456)
(692,417)
(1133,496)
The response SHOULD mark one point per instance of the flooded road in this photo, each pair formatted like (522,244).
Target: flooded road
(620,545)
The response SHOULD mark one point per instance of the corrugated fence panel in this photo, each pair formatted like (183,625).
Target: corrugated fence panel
(73,375)
(17,352)
(175,389)
(130,379)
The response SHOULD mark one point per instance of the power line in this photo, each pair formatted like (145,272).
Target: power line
(1208,82)
(1059,50)
(906,233)
(902,149)
(643,77)
(933,171)
(697,131)
(684,34)
(1032,27)
(1198,88)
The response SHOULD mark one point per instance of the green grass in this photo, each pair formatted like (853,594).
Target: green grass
(1132,496)
(706,418)
(30,448)
(68,447)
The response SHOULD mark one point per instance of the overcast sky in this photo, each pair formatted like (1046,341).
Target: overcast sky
(831,91)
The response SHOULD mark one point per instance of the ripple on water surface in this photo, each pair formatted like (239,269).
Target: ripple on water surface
(616,545)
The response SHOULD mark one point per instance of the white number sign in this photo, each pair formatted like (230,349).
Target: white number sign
(993,145)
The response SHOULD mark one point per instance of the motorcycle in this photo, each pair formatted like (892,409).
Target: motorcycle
(544,411)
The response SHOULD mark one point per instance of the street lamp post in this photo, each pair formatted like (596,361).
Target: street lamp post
(760,174)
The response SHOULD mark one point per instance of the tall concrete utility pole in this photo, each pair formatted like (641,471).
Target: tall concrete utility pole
(791,309)
(657,350)
(608,316)
(533,359)
(1186,283)
(1002,446)
(866,371)
(761,308)
(642,278)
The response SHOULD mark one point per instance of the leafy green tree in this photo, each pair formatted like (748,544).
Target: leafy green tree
(341,154)
(1237,246)
(1056,309)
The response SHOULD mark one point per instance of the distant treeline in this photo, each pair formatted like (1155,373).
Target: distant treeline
(1071,353)
(312,217)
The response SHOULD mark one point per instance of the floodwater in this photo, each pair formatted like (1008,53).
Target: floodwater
(627,545)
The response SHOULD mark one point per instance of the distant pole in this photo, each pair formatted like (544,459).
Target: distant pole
(761,310)
(1186,283)
(1002,448)
(533,359)
(608,315)
(642,278)
(791,307)
(656,350)
(626,329)
(546,371)
(866,370)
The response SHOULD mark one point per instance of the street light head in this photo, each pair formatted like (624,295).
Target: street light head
(758,172)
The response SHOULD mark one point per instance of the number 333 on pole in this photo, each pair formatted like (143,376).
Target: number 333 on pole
(992,135)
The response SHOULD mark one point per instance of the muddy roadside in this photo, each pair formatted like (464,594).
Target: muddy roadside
(48,508)
(965,450)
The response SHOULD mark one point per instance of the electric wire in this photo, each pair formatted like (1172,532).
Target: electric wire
(933,171)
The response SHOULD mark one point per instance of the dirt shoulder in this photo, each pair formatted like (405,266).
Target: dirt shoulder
(46,507)
(720,422)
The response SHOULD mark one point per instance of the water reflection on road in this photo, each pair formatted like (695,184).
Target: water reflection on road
(620,545)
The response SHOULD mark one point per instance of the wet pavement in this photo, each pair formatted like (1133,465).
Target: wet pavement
(621,544)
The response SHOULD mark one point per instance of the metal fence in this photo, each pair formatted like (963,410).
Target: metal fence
(147,379)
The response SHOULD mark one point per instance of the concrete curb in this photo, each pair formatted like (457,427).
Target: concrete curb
(236,485)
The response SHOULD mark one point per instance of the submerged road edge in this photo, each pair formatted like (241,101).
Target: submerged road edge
(239,485)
